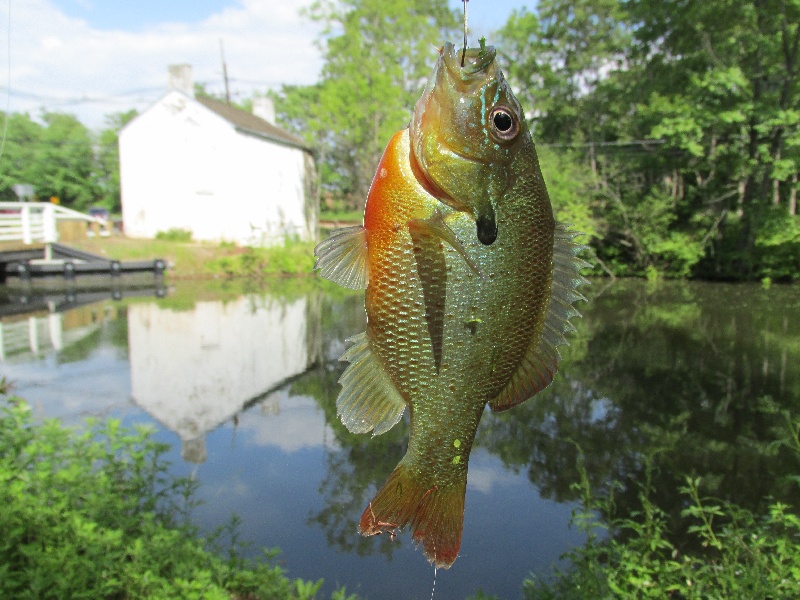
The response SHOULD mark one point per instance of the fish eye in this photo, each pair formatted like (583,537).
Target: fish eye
(503,123)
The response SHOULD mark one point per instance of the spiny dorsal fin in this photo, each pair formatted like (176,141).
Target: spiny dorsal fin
(540,363)
(369,401)
(342,258)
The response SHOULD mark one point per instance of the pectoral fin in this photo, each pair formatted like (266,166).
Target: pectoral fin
(435,225)
(540,363)
(342,258)
(369,401)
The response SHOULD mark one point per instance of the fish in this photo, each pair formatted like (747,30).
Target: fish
(470,285)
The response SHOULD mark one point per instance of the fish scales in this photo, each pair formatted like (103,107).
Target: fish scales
(467,275)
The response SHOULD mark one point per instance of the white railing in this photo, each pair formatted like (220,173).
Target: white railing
(35,222)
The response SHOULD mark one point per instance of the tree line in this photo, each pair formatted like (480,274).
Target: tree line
(669,131)
(61,158)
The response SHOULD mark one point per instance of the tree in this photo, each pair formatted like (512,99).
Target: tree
(729,101)
(688,116)
(16,161)
(377,56)
(64,162)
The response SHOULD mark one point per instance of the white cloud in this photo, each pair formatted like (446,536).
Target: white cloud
(63,64)
(291,423)
(486,472)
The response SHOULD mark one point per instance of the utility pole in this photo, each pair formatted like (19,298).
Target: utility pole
(225,73)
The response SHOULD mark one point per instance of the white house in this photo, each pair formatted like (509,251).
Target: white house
(224,174)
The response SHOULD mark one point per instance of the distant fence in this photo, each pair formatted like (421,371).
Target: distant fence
(35,222)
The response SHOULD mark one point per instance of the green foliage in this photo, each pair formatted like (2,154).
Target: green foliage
(175,235)
(292,257)
(61,158)
(19,154)
(94,514)
(65,162)
(687,118)
(735,554)
(571,188)
(377,55)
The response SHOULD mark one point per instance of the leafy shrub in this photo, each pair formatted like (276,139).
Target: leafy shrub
(292,257)
(175,235)
(94,514)
(743,555)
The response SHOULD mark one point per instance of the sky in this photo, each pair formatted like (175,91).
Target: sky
(92,58)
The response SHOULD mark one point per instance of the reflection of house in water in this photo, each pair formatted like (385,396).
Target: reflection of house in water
(193,370)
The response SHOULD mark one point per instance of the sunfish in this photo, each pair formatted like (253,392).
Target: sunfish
(469,290)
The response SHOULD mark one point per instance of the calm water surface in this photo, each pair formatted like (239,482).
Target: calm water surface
(242,385)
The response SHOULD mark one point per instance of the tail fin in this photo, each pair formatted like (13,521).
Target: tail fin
(435,514)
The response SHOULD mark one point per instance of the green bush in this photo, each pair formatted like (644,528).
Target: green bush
(742,555)
(175,235)
(93,513)
(290,258)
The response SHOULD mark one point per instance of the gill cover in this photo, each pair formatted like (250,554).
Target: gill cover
(465,131)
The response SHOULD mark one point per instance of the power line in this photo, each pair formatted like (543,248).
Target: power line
(8,85)
(602,144)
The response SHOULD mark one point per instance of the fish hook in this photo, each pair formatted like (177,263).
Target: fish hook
(464,51)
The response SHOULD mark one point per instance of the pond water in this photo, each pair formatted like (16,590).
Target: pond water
(687,377)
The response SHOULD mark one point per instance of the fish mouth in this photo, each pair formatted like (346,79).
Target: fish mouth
(470,64)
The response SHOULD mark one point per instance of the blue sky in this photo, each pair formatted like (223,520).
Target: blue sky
(135,15)
(97,57)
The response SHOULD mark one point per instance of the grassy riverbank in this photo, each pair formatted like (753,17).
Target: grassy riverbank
(93,513)
(188,259)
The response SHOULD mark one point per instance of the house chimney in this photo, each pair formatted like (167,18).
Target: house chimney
(179,79)
(264,109)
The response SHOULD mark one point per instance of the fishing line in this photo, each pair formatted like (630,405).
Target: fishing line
(8,85)
(464,51)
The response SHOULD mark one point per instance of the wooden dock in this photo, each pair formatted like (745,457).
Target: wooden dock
(29,246)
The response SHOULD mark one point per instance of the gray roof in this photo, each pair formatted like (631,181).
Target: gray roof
(251,124)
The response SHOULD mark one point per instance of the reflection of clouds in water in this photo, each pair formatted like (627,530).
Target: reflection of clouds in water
(291,423)
(487,473)
(72,391)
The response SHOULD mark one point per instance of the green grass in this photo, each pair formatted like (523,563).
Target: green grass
(189,260)
(93,513)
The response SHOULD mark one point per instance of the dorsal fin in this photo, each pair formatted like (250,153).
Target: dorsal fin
(540,363)
(342,258)
(369,401)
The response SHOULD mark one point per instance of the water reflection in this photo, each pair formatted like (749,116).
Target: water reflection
(39,317)
(195,369)
(690,377)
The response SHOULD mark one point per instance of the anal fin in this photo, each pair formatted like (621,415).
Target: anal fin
(342,258)
(540,363)
(368,401)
